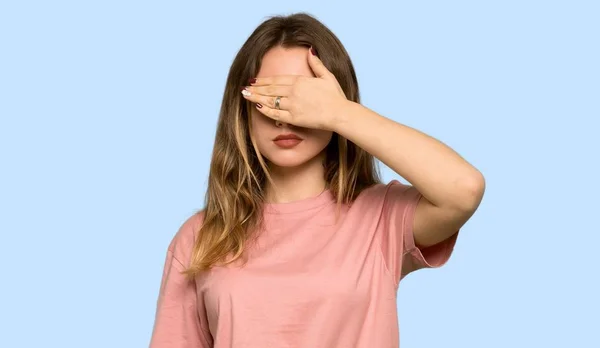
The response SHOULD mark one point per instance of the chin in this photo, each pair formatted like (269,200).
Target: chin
(303,154)
(288,160)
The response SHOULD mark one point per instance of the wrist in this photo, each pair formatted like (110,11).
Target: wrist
(342,116)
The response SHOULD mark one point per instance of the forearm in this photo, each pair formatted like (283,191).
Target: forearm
(438,172)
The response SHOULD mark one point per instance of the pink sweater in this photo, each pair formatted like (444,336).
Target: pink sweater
(310,281)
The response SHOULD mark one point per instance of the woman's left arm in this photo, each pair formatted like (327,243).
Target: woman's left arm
(451,188)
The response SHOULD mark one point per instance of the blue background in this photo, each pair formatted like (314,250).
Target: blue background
(108,111)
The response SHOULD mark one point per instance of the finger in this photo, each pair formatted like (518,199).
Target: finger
(277,115)
(316,64)
(266,100)
(271,90)
(274,80)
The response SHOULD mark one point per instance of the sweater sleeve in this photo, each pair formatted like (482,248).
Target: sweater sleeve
(401,254)
(180,320)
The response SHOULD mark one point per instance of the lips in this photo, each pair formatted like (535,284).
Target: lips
(287,137)
(287,141)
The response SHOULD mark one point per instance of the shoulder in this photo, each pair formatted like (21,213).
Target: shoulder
(182,244)
(385,194)
(390,201)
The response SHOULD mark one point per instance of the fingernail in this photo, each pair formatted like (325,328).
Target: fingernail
(313,51)
(251,81)
(258,105)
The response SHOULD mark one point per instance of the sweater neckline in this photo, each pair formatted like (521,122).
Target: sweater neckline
(325,197)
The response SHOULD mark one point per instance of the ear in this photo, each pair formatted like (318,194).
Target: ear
(317,65)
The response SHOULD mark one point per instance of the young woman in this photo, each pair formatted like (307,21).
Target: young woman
(299,244)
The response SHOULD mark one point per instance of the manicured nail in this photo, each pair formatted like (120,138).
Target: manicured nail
(258,105)
(245,92)
(251,81)
(313,51)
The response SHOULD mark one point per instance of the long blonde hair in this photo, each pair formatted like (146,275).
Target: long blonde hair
(238,174)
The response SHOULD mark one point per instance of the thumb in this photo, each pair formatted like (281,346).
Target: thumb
(316,64)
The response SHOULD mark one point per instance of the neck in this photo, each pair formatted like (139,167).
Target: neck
(296,183)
